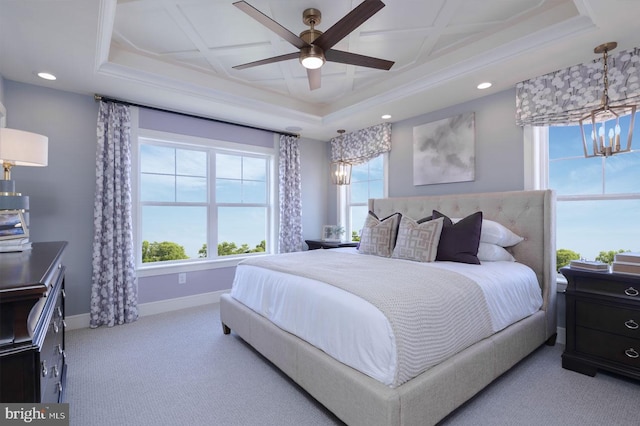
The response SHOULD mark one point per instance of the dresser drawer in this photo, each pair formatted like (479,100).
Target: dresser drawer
(608,318)
(611,347)
(606,286)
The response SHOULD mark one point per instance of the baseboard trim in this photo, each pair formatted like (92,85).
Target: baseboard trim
(562,336)
(75,322)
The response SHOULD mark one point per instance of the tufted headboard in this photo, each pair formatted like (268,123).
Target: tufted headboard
(530,214)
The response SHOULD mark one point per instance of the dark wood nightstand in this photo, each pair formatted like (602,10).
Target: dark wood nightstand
(603,322)
(320,244)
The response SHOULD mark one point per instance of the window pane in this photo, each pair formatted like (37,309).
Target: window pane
(157,159)
(228,166)
(191,163)
(254,169)
(184,227)
(359,173)
(228,191)
(159,188)
(589,227)
(376,168)
(191,189)
(359,192)
(241,230)
(376,189)
(254,192)
(576,176)
(565,141)
(358,216)
(623,173)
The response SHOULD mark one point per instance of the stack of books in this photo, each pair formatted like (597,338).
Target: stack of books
(15,244)
(590,265)
(626,263)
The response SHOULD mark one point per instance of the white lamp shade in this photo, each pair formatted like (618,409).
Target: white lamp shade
(22,148)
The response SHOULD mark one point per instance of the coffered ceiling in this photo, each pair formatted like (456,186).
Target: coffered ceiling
(179,54)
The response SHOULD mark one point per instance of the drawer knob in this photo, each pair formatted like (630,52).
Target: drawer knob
(55,371)
(631,292)
(59,386)
(631,324)
(45,371)
(56,327)
(632,353)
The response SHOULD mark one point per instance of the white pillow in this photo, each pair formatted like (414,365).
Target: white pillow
(495,233)
(493,253)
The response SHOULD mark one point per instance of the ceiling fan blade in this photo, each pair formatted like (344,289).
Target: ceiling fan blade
(348,23)
(314,78)
(280,58)
(355,59)
(271,24)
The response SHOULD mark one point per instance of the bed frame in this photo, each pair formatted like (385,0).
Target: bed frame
(360,400)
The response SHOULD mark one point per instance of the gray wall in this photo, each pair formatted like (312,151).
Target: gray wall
(61,194)
(499,149)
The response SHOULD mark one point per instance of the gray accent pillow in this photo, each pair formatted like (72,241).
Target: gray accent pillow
(379,236)
(418,241)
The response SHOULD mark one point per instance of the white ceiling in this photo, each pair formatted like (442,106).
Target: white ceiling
(179,54)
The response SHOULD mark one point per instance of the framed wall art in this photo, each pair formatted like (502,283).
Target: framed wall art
(444,150)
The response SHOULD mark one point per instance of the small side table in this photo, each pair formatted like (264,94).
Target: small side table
(603,322)
(321,244)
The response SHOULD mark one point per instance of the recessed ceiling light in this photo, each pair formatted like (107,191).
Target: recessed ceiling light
(484,85)
(386,116)
(46,76)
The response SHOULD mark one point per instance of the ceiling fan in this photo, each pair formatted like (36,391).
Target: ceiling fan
(316,46)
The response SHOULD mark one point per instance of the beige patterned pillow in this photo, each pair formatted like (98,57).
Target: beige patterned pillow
(418,241)
(378,236)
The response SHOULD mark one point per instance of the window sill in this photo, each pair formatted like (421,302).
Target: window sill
(175,268)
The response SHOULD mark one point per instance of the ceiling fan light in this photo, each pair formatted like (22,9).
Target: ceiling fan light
(312,57)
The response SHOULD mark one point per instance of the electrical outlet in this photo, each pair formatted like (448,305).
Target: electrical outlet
(182,278)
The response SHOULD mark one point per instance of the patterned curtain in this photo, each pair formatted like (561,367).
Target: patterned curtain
(363,145)
(114,290)
(290,196)
(564,97)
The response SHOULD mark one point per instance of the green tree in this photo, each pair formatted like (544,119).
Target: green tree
(355,236)
(226,249)
(158,252)
(565,256)
(608,256)
(202,253)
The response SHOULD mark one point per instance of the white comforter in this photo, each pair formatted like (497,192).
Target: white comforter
(366,341)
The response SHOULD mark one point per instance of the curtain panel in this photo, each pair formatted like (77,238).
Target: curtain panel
(565,96)
(114,289)
(363,145)
(290,192)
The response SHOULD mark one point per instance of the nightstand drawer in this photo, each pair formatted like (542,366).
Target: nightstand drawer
(607,318)
(606,287)
(611,347)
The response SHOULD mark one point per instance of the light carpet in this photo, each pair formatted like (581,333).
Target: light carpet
(178,368)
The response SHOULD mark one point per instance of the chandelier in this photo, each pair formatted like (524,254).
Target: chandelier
(603,124)
(340,170)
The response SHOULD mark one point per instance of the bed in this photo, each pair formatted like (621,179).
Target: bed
(360,399)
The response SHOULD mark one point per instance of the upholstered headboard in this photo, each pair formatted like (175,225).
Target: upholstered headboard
(530,214)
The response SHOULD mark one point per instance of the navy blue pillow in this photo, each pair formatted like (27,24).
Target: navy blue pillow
(459,241)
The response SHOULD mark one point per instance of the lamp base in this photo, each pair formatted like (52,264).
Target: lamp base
(10,199)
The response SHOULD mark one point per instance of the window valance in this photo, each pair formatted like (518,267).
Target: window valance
(363,145)
(565,96)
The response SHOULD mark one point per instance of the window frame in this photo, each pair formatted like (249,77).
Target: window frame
(211,146)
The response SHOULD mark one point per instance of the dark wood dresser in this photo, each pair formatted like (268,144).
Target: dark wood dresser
(32,358)
(603,322)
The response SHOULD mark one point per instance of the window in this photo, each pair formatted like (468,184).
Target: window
(193,196)
(368,180)
(598,199)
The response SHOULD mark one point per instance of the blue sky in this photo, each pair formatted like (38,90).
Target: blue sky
(589,227)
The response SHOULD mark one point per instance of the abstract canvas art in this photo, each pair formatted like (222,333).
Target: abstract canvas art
(444,151)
